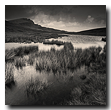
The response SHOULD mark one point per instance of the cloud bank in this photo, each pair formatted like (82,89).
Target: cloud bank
(63,17)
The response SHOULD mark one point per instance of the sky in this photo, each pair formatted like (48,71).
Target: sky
(72,18)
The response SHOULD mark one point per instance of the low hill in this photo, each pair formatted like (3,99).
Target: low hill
(97,32)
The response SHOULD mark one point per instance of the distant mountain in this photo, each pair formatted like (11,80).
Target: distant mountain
(97,32)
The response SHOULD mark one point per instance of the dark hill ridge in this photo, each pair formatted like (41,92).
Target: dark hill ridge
(27,23)
(97,31)
(24,29)
(22,20)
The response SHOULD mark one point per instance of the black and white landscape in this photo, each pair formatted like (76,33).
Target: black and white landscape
(55,55)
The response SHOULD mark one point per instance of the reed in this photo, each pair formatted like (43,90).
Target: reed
(9,73)
(59,43)
(19,52)
(92,92)
(35,87)
(67,58)
(19,62)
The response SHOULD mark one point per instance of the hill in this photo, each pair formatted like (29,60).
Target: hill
(97,32)
(26,24)
(24,30)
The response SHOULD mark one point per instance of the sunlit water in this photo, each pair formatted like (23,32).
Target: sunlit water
(83,41)
(78,41)
(41,46)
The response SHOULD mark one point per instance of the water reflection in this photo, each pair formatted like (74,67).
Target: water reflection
(41,46)
(45,88)
(82,41)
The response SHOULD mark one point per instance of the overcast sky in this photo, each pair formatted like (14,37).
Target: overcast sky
(70,18)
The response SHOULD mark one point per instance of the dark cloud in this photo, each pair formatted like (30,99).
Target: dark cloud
(49,15)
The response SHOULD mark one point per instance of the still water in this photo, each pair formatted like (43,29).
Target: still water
(83,41)
(59,86)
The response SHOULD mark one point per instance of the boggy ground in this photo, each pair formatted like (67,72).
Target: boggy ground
(88,87)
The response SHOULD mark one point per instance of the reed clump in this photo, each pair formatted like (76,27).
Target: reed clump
(9,73)
(19,52)
(66,58)
(35,87)
(92,92)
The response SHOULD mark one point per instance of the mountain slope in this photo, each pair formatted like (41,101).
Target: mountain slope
(23,29)
(29,24)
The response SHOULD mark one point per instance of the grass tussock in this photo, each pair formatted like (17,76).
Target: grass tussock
(34,88)
(19,52)
(65,59)
(59,43)
(92,92)
(19,62)
(9,73)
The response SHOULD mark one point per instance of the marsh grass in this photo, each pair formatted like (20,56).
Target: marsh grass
(64,61)
(35,87)
(9,73)
(59,43)
(19,62)
(20,52)
(57,60)
(92,92)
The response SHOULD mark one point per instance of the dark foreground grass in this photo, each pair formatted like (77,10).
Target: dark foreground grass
(34,88)
(92,92)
